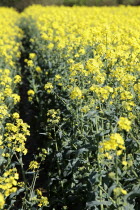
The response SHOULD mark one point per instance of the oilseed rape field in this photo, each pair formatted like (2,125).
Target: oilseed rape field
(70,108)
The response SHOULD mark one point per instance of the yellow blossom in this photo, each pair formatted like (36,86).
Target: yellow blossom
(38,69)
(2,201)
(123,191)
(76,93)
(124,123)
(33,165)
(31,92)
(124,163)
(32,55)
(17,79)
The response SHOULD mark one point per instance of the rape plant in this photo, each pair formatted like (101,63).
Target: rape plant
(14,187)
(10,77)
(84,80)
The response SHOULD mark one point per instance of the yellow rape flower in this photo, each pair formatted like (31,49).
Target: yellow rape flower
(33,165)
(43,201)
(16,98)
(48,86)
(85,109)
(15,115)
(124,123)
(113,143)
(17,79)
(123,191)
(38,69)
(31,92)
(57,77)
(30,63)
(50,46)
(76,93)
(39,193)
(2,201)
(124,163)
(32,55)
(126,95)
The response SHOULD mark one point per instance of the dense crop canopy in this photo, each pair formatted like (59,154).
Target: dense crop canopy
(82,66)
(84,76)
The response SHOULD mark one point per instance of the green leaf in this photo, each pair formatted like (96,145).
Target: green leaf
(97,203)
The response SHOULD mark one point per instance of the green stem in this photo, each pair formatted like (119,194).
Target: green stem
(24,179)
(101,194)
(117,177)
(99,169)
(59,169)
(33,183)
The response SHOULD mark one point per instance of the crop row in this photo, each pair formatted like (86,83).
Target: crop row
(84,81)
(13,131)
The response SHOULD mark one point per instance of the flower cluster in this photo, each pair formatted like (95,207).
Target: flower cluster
(53,116)
(15,136)
(9,182)
(114,143)
(40,199)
